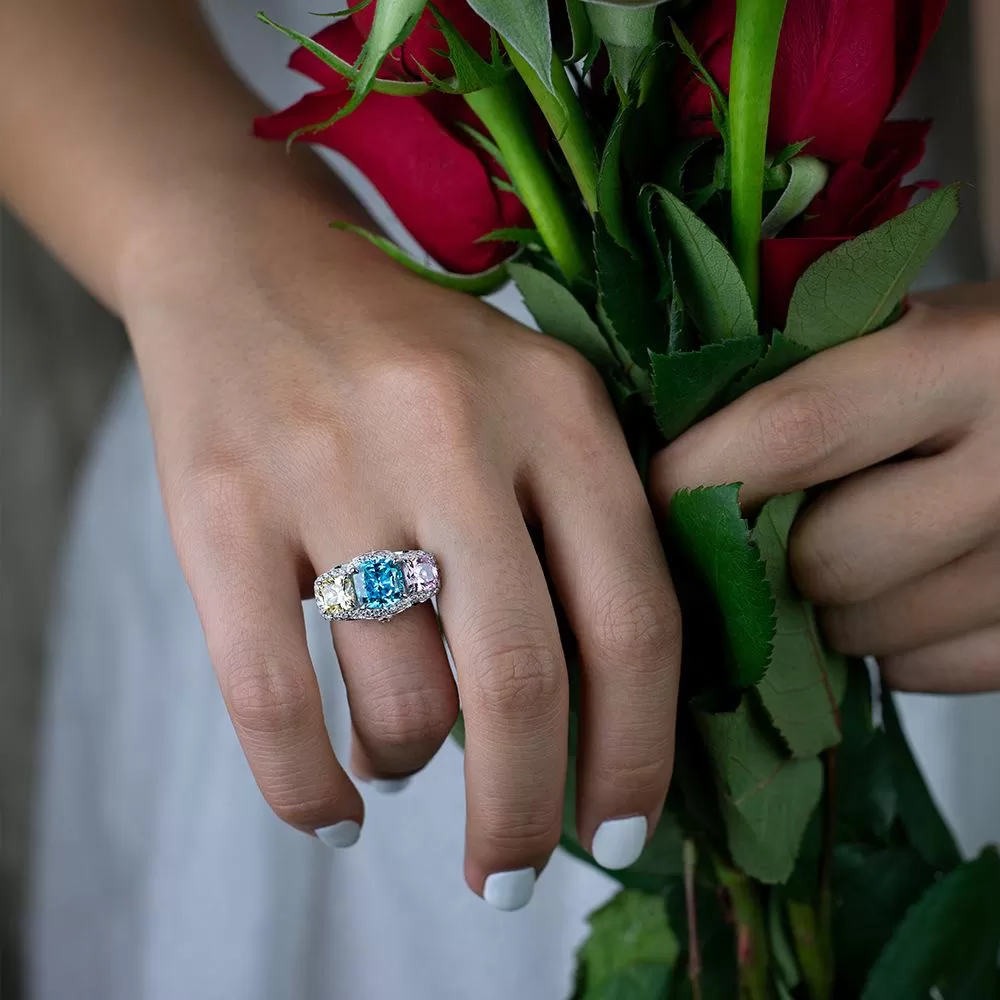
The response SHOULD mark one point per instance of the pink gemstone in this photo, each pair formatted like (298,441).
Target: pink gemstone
(421,575)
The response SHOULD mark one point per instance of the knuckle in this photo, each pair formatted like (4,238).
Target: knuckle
(506,833)
(264,700)
(824,569)
(638,624)
(799,429)
(437,391)
(419,719)
(824,578)
(568,378)
(519,672)
(566,365)
(638,773)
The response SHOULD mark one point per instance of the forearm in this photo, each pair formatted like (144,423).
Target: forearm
(125,142)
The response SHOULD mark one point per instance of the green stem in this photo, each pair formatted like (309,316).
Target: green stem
(691,906)
(501,111)
(637,377)
(753,954)
(563,112)
(755,50)
(830,759)
(811,949)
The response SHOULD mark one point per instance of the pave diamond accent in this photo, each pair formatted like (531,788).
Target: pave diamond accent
(377,585)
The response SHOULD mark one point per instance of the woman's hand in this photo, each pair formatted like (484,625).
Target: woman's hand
(902,553)
(311,401)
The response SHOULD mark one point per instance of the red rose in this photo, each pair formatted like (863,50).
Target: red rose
(860,195)
(842,65)
(434,177)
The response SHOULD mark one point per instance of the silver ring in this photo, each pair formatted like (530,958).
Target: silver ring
(377,585)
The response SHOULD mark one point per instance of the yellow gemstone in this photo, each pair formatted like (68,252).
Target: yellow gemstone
(337,595)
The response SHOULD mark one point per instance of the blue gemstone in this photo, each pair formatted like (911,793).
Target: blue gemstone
(379,584)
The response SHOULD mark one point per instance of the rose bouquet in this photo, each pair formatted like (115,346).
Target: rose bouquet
(697,197)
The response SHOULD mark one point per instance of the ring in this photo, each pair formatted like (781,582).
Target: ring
(377,585)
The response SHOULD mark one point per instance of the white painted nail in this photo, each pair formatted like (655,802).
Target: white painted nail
(390,786)
(509,890)
(343,834)
(619,842)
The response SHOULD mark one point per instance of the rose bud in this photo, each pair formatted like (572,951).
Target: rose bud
(842,66)
(860,195)
(435,178)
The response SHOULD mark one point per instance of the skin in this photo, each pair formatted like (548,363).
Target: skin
(310,400)
(902,550)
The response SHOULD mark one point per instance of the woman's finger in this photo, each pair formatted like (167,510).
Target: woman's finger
(399,686)
(969,664)
(247,592)
(950,602)
(606,561)
(512,679)
(840,412)
(400,689)
(884,527)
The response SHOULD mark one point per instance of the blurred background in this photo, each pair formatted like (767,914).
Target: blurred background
(60,353)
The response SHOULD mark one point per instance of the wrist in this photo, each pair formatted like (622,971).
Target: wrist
(248,262)
(220,221)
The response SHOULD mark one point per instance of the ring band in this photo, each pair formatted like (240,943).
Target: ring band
(377,586)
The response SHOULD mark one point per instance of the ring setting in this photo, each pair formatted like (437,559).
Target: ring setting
(378,585)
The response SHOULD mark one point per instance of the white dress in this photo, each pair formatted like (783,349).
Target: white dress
(160,874)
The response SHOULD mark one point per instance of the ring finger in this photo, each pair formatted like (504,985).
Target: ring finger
(399,686)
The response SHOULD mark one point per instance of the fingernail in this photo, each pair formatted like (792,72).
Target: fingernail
(343,834)
(619,842)
(390,786)
(509,890)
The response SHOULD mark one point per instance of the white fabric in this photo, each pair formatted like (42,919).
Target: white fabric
(160,872)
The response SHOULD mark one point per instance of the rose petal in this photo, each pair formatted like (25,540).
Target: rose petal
(837,74)
(342,39)
(898,202)
(859,192)
(437,185)
(914,31)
